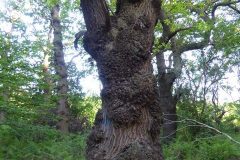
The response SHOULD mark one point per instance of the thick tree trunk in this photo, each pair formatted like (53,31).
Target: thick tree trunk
(61,71)
(128,125)
(168,101)
(167,75)
(168,107)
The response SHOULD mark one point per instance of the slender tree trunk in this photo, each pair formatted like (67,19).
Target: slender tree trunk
(5,103)
(61,71)
(128,125)
(5,86)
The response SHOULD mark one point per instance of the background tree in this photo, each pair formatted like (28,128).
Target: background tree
(185,26)
(61,71)
(203,81)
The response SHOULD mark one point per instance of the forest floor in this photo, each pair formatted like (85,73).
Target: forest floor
(21,141)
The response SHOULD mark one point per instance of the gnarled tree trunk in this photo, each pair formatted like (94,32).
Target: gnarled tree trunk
(128,125)
(61,71)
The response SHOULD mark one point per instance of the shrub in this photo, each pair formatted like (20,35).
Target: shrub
(21,141)
(218,148)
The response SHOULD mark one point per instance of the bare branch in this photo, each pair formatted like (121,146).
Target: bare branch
(215,129)
(234,8)
(75,56)
(77,37)
(222,4)
(200,124)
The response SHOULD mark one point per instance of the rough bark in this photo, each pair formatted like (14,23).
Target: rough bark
(128,125)
(166,78)
(61,71)
(169,109)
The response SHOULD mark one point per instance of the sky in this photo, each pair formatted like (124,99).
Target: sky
(92,86)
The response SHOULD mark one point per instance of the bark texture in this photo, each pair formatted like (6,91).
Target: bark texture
(168,101)
(168,107)
(128,125)
(61,71)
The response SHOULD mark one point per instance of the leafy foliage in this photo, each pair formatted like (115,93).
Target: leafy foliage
(24,141)
(211,148)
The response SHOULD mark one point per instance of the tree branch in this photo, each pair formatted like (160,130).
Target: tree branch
(166,27)
(192,46)
(206,40)
(77,37)
(200,124)
(222,4)
(96,15)
(161,65)
(167,33)
(234,8)
(172,34)
(215,129)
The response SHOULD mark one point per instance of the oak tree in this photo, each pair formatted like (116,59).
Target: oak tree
(128,125)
